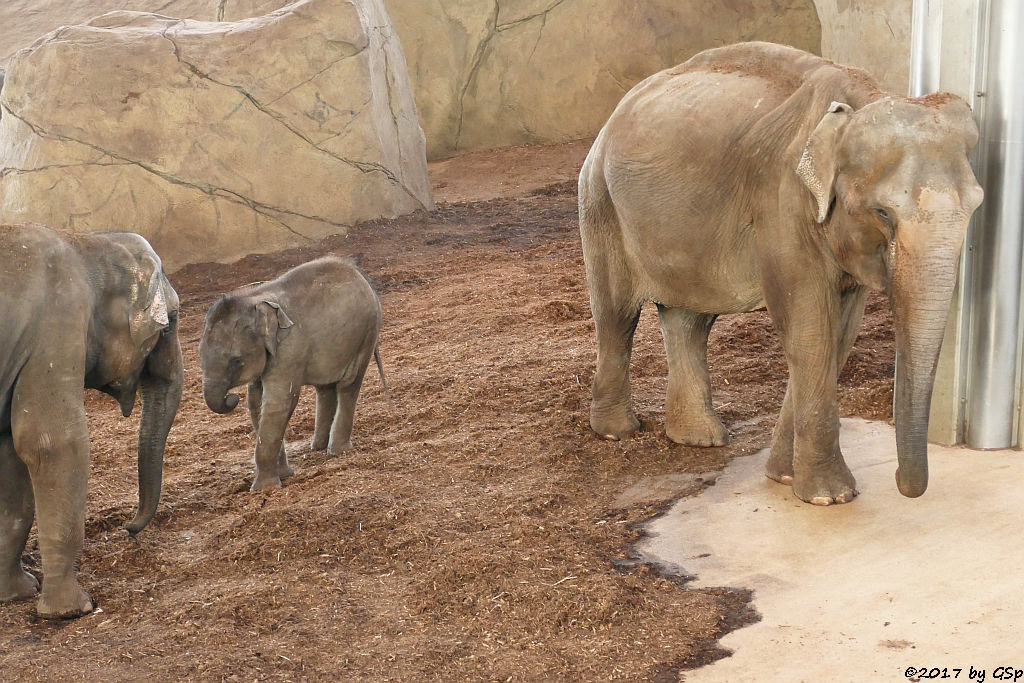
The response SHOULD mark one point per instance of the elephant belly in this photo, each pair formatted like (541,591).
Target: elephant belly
(711,286)
(338,358)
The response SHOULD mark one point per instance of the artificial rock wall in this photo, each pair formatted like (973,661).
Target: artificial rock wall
(214,139)
(495,73)
(24,21)
(259,124)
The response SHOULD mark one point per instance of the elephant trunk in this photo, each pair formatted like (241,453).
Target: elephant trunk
(924,273)
(161,394)
(217,397)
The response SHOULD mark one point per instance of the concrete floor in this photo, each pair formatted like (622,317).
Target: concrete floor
(862,591)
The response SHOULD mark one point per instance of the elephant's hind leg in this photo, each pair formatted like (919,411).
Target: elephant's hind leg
(613,301)
(326,407)
(690,418)
(611,412)
(16,514)
(341,429)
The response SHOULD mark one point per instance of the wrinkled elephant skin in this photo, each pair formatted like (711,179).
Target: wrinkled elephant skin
(315,325)
(93,310)
(757,175)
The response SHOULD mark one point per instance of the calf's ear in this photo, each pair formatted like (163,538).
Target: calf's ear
(276,323)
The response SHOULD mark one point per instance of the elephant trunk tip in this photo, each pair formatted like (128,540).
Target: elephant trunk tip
(142,519)
(223,405)
(911,486)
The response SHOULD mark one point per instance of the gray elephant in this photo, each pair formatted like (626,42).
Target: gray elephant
(316,324)
(93,309)
(757,175)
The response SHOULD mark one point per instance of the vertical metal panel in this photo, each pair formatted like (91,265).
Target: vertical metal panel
(932,37)
(925,46)
(995,289)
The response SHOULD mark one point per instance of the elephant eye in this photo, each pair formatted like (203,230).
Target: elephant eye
(235,363)
(884,215)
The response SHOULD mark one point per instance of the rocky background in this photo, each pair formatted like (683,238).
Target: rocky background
(284,121)
(214,139)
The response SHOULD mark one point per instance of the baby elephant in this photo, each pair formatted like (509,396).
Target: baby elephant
(316,324)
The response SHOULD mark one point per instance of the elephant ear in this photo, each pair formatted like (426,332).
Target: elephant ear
(150,301)
(158,300)
(818,164)
(277,322)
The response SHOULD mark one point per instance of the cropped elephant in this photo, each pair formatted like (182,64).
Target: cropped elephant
(93,310)
(757,175)
(316,324)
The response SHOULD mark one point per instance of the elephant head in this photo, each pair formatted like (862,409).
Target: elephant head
(241,332)
(894,191)
(133,348)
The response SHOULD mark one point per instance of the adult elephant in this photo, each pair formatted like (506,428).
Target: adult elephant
(97,310)
(757,175)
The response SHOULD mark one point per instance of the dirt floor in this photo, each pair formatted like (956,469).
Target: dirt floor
(478,530)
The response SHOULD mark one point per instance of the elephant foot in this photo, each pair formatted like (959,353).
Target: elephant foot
(826,488)
(780,468)
(261,483)
(318,443)
(338,450)
(786,479)
(19,586)
(707,432)
(613,427)
(284,471)
(64,603)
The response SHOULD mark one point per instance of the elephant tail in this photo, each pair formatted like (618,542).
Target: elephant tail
(383,379)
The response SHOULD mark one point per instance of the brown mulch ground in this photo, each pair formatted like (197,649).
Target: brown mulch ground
(472,534)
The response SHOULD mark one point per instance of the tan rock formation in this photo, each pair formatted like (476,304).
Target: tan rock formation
(508,72)
(214,139)
(494,73)
(24,21)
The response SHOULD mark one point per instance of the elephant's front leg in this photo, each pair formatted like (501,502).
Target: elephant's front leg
(780,462)
(690,417)
(16,514)
(805,302)
(254,398)
(275,410)
(48,424)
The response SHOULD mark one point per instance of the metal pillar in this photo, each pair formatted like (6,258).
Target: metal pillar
(925,46)
(994,348)
(978,392)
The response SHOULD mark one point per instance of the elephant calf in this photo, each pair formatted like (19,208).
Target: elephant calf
(316,324)
(93,310)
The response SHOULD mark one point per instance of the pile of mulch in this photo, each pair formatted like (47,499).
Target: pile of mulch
(477,529)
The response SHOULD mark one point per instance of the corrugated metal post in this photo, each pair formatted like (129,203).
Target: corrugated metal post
(945,423)
(995,289)
(925,46)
